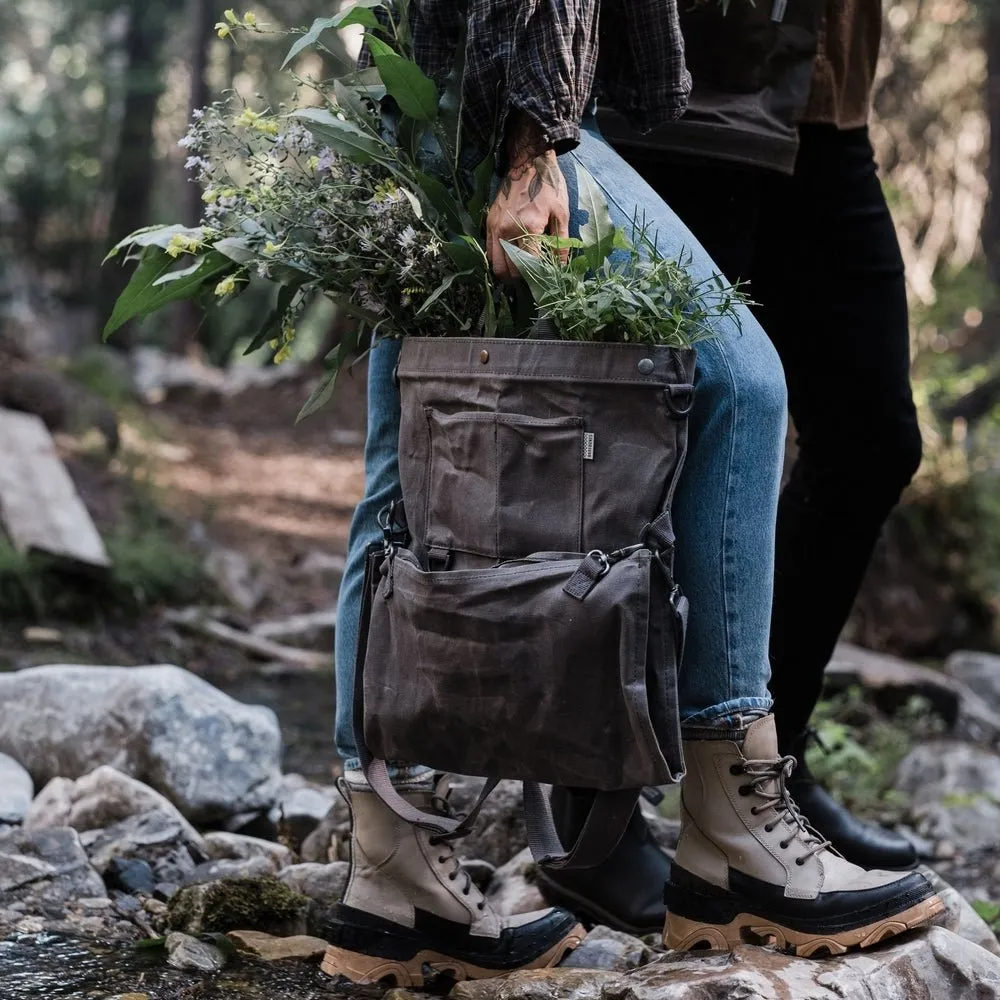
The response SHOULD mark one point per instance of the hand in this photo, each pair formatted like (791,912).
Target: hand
(532,198)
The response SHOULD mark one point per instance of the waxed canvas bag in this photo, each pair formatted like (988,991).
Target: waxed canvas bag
(524,623)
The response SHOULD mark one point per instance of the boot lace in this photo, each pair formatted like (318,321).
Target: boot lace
(443,807)
(777,798)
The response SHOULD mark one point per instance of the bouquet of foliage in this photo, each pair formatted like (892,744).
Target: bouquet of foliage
(367,195)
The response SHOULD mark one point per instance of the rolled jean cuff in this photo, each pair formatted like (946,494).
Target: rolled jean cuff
(397,772)
(728,714)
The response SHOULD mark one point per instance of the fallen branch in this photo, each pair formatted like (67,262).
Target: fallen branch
(195,620)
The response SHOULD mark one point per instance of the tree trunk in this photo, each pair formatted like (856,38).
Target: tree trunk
(202,16)
(132,172)
(991,224)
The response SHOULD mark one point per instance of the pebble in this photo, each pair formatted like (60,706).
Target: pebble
(189,954)
(272,949)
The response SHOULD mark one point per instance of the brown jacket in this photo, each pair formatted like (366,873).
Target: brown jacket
(756,79)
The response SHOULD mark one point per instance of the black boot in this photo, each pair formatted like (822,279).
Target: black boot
(625,891)
(867,845)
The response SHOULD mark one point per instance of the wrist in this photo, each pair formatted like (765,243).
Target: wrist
(525,141)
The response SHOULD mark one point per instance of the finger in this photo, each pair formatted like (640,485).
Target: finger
(498,258)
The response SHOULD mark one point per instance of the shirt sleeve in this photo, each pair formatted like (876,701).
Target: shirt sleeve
(552,66)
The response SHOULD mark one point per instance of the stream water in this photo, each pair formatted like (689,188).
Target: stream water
(46,967)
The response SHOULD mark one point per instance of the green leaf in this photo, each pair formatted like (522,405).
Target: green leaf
(155,236)
(143,295)
(345,351)
(466,253)
(341,136)
(360,13)
(235,248)
(433,193)
(441,289)
(532,269)
(414,91)
(272,325)
(184,272)
(483,175)
(598,233)
(451,103)
(350,99)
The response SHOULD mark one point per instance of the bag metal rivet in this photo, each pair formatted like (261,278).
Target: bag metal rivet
(484,357)
(646,366)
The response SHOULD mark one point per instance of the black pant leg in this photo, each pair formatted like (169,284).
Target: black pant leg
(830,277)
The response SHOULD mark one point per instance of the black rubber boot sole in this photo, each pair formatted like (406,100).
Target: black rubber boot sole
(367,949)
(714,918)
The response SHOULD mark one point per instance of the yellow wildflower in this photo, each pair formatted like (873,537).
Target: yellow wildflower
(226,286)
(230,16)
(247,118)
(250,19)
(283,355)
(267,127)
(313,162)
(271,247)
(288,333)
(179,243)
(222,29)
(274,344)
(210,196)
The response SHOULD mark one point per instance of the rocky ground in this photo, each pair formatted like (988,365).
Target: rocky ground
(164,836)
(149,832)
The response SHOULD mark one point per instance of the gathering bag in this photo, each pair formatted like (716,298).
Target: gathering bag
(522,621)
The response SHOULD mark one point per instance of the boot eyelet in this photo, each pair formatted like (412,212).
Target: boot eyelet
(754,811)
(736,770)
(746,790)
(768,828)
(799,862)
(783,845)
(433,841)
(452,877)
(442,860)
(465,892)
(480,907)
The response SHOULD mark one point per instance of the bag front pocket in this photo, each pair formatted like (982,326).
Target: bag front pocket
(500,672)
(504,485)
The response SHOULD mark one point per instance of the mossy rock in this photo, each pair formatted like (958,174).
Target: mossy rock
(258,903)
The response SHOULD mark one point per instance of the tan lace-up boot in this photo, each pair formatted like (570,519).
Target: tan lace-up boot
(410,910)
(749,867)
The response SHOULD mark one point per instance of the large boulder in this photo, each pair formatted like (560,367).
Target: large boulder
(255,904)
(980,672)
(45,870)
(16,790)
(207,753)
(954,791)
(931,966)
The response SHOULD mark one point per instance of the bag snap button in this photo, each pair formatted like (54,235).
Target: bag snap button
(646,366)
(484,357)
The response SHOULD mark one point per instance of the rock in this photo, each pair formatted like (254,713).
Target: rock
(499,831)
(954,791)
(481,872)
(229,868)
(45,869)
(893,681)
(237,579)
(513,890)
(207,753)
(323,885)
(102,799)
(604,948)
(259,904)
(960,917)
(546,984)
(309,631)
(666,832)
(978,671)
(302,806)
(16,790)
(165,891)
(232,846)
(191,955)
(328,842)
(130,876)
(273,949)
(938,965)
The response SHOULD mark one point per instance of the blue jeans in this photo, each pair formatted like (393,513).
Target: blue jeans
(726,501)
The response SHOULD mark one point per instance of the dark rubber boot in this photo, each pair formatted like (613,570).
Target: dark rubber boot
(625,891)
(867,845)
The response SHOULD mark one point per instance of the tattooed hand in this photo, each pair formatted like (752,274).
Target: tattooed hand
(532,198)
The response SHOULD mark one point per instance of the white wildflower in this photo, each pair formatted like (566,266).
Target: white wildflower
(190,141)
(406,237)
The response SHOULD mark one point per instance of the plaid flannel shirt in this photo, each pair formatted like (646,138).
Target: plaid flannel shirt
(548,58)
